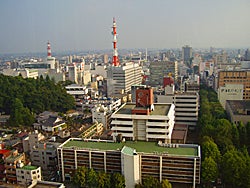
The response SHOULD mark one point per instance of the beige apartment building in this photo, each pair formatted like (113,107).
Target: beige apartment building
(236,77)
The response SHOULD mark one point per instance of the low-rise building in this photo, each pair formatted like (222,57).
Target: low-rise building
(12,162)
(101,114)
(238,111)
(27,175)
(3,155)
(179,163)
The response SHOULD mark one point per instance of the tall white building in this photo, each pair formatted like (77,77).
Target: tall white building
(121,78)
(72,73)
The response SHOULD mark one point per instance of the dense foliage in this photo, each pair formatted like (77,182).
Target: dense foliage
(225,146)
(22,98)
(151,181)
(90,178)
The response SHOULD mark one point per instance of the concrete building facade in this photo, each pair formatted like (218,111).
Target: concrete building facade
(179,163)
(44,155)
(27,175)
(230,92)
(158,125)
(160,69)
(238,111)
(121,78)
(186,105)
(238,78)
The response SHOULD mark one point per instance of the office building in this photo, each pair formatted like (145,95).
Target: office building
(238,78)
(186,105)
(44,155)
(179,163)
(121,78)
(187,53)
(160,69)
(144,120)
(247,55)
(230,92)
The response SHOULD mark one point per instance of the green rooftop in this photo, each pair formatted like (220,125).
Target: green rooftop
(29,167)
(140,146)
(159,109)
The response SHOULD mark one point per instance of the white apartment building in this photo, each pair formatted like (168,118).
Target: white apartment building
(101,112)
(186,105)
(28,175)
(76,90)
(157,125)
(121,78)
(26,73)
(100,115)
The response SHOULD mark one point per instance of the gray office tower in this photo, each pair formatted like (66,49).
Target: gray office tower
(187,53)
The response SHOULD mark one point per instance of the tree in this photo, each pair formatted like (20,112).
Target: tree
(80,176)
(166,184)
(234,167)
(20,115)
(235,136)
(103,180)
(210,149)
(242,134)
(150,182)
(209,170)
(117,180)
(91,178)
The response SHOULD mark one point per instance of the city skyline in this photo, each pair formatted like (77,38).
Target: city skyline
(26,26)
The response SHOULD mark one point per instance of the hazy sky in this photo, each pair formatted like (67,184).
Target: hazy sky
(27,25)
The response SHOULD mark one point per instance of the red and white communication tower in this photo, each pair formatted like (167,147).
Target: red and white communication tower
(48,50)
(115,61)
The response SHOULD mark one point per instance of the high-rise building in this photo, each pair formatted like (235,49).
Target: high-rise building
(72,73)
(247,55)
(121,78)
(105,58)
(160,69)
(187,53)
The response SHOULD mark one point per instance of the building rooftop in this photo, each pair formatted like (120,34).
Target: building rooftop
(47,184)
(139,146)
(239,107)
(29,167)
(159,109)
(13,158)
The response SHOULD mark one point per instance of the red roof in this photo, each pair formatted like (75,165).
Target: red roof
(3,151)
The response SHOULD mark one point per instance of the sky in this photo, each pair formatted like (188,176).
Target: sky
(27,25)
